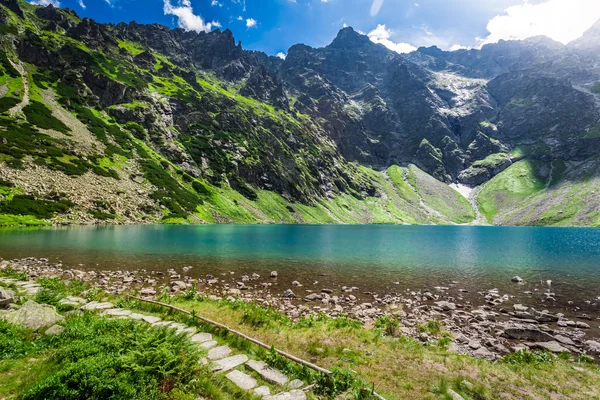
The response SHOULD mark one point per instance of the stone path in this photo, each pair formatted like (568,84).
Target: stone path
(257,376)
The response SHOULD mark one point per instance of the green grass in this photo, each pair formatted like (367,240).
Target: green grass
(440,197)
(511,186)
(491,161)
(399,367)
(132,48)
(96,358)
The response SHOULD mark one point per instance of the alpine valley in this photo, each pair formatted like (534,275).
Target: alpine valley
(130,123)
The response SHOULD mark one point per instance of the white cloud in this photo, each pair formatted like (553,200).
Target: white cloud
(81,4)
(455,47)
(281,55)
(55,3)
(110,3)
(345,25)
(240,18)
(186,17)
(250,22)
(382,35)
(561,20)
(375,7)
(216,3)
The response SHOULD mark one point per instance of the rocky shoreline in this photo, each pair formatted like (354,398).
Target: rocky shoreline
(490,328)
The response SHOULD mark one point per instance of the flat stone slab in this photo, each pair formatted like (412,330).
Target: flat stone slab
(262,391)
(135,316)
(94,305)
(267,373)
(162,323)
(208,345)
(151,319)
(201,338)
(185,331)
(242,380)
(552,346)
(117,312)
(218,352)
(225,364)
(291,395)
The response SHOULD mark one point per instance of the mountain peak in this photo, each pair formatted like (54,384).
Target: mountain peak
(348,37)
(590,39)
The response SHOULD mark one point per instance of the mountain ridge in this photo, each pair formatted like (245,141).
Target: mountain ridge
(215,133)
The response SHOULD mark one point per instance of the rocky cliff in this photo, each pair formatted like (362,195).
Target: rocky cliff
(132,123)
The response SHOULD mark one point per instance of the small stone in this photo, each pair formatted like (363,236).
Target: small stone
(262,391)
(454,396)
(446,305)
(295,384)
(289,294)
(54,330)
(517,279)
(273,274)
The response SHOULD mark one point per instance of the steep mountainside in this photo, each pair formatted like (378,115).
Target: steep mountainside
(131,123)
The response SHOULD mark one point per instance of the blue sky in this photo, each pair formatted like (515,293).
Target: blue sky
(273,26)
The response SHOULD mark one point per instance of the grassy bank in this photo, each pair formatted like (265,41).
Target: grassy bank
(95,356)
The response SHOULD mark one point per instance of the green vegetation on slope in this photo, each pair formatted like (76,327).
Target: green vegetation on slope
(96,358)
(440,197)
(508,188)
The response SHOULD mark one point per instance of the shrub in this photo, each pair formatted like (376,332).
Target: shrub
(96,358)
(40,115)
(433,327)
(388,325)
(528,357)
(29,205)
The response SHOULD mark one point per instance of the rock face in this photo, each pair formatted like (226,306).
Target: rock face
(221,116)
(32,316)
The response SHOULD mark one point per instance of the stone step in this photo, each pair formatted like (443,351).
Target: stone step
(291,395)
(218,352)
(208,345)
(96,306)
(151,319)
(242,380)
(201,338)
(262,391)
(116,312)
(267,373)
(225,364)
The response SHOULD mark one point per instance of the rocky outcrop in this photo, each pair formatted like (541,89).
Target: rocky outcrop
(32,315)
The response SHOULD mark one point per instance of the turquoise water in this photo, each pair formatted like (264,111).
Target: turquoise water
(372,257)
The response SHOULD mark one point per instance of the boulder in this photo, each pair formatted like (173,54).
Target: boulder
(552,346)
(526,333)
(33,316)
(288,294)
